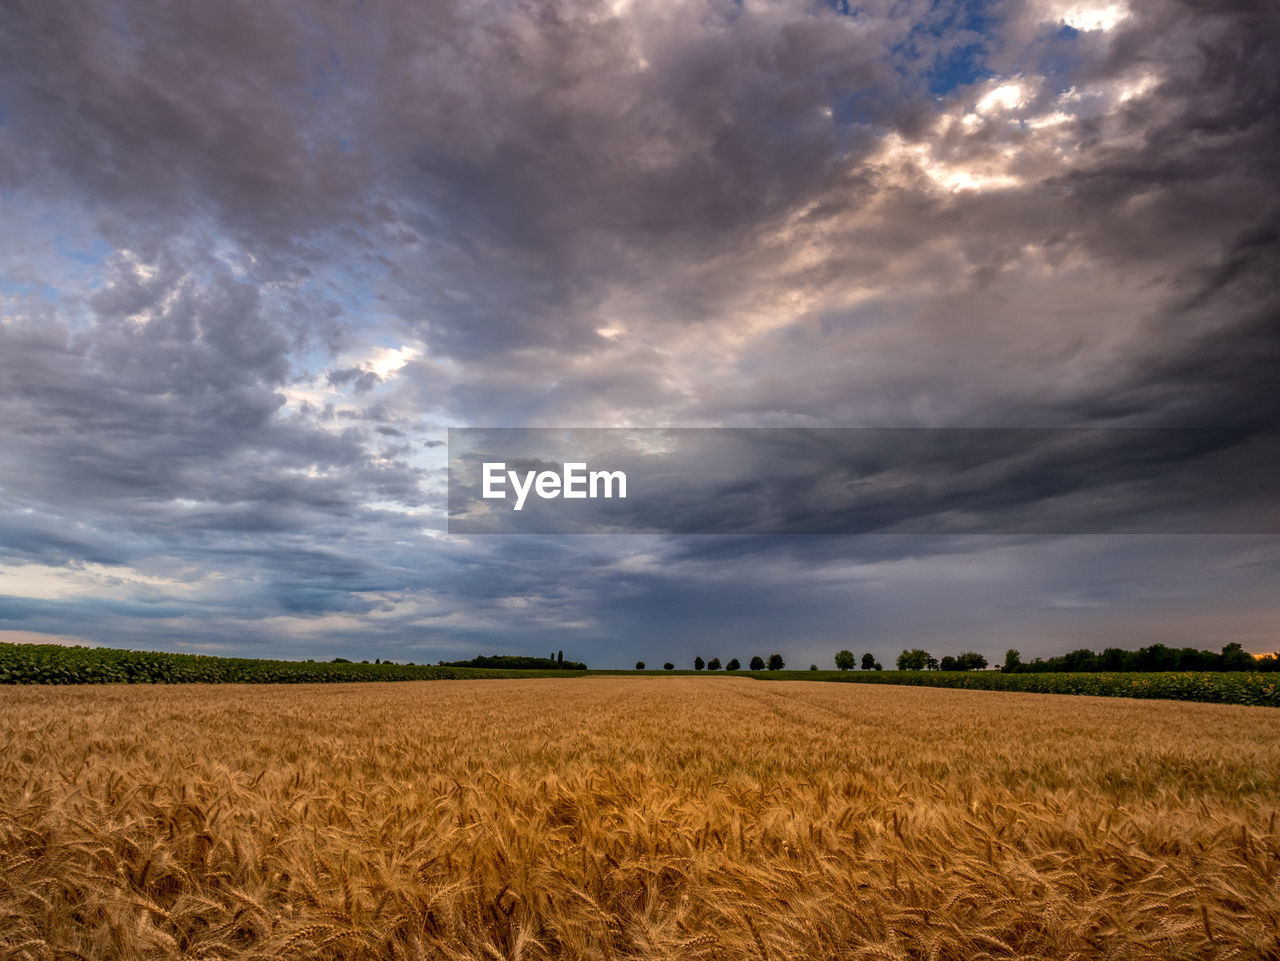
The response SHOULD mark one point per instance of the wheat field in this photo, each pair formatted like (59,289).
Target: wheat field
(633,818)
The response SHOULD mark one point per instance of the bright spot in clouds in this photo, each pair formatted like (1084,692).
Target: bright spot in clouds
(1007,96)
(386,361)
(896,154)
(1085,16)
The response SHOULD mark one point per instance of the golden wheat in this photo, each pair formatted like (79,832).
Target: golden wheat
(699,818)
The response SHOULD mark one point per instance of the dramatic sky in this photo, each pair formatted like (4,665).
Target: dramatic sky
(257,257)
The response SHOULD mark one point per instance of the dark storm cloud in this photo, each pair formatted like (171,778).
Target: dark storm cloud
(152,438)
(687,213)
(171,393)
(512,171)
(169,113)
(1226,373)
(907,481)
(533,157)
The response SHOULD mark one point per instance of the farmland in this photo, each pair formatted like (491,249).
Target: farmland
(1225,687)
(56,664)
(612,817)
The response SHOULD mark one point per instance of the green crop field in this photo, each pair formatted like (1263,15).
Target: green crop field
(52,664)
(1224,687)
(1221,687)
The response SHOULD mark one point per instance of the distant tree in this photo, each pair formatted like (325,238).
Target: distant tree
(878,666)
(948,664)
(970,661)
(365,661)
(1113,659)
(560,658)
(340,660)
(1012,661)
(1083,659)
(813,667)
(699,663)
(845,660)
(1236,658)
(1192,660)
(776,663)
(868,661)
(1157,657)
(915,660)
(733,665)
(713,664)
(668,666)
(639,665)
(757,663)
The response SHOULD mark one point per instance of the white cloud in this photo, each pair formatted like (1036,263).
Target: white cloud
(1084,15)
(386,361)
(38,637)
(45,582)
(1007,96)
(990,173)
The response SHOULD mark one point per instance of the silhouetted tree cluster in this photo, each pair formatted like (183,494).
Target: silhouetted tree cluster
(775,663)
(847,661)
(517,662)
(917,660)
(1156,657)
(965,661)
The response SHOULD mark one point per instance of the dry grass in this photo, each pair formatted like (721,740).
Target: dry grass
(633,818)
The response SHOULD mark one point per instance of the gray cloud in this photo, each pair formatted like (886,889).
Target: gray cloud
(1051,481)
(257,254)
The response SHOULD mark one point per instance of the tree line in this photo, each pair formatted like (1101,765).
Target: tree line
(846,661)
(758,663)
(1155,657)
(514,662)
(1151,659)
